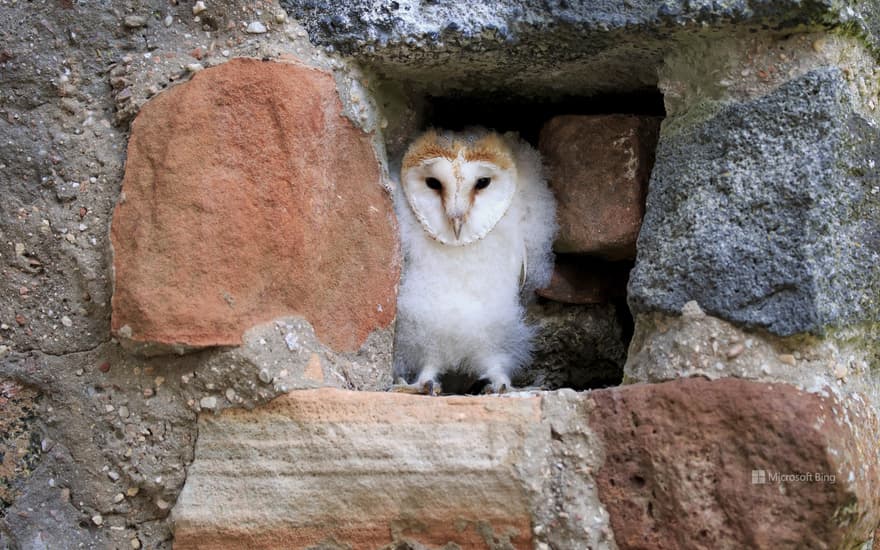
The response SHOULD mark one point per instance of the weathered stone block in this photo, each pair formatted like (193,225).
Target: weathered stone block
(359,469)
(249,196)
(673,464)
(764,212)
(579,280)
(599,168)
(697,464)
(549,48)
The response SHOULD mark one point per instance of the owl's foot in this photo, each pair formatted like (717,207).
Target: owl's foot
(491,388)
(429,387)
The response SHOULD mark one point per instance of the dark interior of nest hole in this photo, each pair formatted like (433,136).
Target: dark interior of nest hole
(579,346)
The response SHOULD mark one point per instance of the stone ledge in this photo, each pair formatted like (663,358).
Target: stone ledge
(671,462)
(550,48)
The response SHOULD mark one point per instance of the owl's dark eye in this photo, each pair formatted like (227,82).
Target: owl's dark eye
(434,184)
(483,183)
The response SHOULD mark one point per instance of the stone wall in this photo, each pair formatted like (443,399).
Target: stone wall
(198,264)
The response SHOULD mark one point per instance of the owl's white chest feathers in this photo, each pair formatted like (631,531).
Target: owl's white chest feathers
(472,283)
(457,302)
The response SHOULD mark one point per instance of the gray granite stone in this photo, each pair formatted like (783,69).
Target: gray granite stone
(548,48)
(766,213)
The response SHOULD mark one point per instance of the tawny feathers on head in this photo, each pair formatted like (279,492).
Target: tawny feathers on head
(477,223)
(489,148)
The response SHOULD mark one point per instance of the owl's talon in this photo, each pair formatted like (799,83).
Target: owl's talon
(490,389)
(431,388)
(406,388)
(428,388)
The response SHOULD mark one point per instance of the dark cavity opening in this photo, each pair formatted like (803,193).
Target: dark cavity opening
(527,116)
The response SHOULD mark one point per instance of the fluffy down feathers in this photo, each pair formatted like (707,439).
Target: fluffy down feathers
(477,223)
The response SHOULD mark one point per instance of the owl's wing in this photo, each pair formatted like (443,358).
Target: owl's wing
(537,219)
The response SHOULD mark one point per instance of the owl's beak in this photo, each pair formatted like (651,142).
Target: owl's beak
(456,226)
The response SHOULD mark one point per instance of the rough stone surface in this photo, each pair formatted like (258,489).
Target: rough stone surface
(73,76)
(578,347)
(765,212)
(599,168)
(20,443)
(249,196)
(392,468)
(581,280)
(667,347)
(680,458)
(547,48)
(672,464)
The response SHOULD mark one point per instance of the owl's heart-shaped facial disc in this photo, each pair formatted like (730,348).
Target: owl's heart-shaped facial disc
(458,190)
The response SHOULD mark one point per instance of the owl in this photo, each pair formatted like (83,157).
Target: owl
(477,222)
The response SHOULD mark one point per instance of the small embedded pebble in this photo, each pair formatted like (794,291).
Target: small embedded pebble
(162,504)
(79,372)
(132,491)
(148,392)
(168,21)
(735,351)
(113,475)
(264,376)
(840,372)
(118,498)
(135,21)
(256,27)
(97,519)
(230,395)
(291,341)
(66,321)
(135,543)
(105,367)
(819,45)
(209,402)
(194,67)
(199,7)
(280,16)
(123,412)
(788,359)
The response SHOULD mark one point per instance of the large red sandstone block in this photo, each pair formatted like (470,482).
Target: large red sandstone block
(673,464)
(702,465)
(599,170)
(248,196)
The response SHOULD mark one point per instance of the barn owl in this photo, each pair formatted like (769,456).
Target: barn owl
(477,222)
